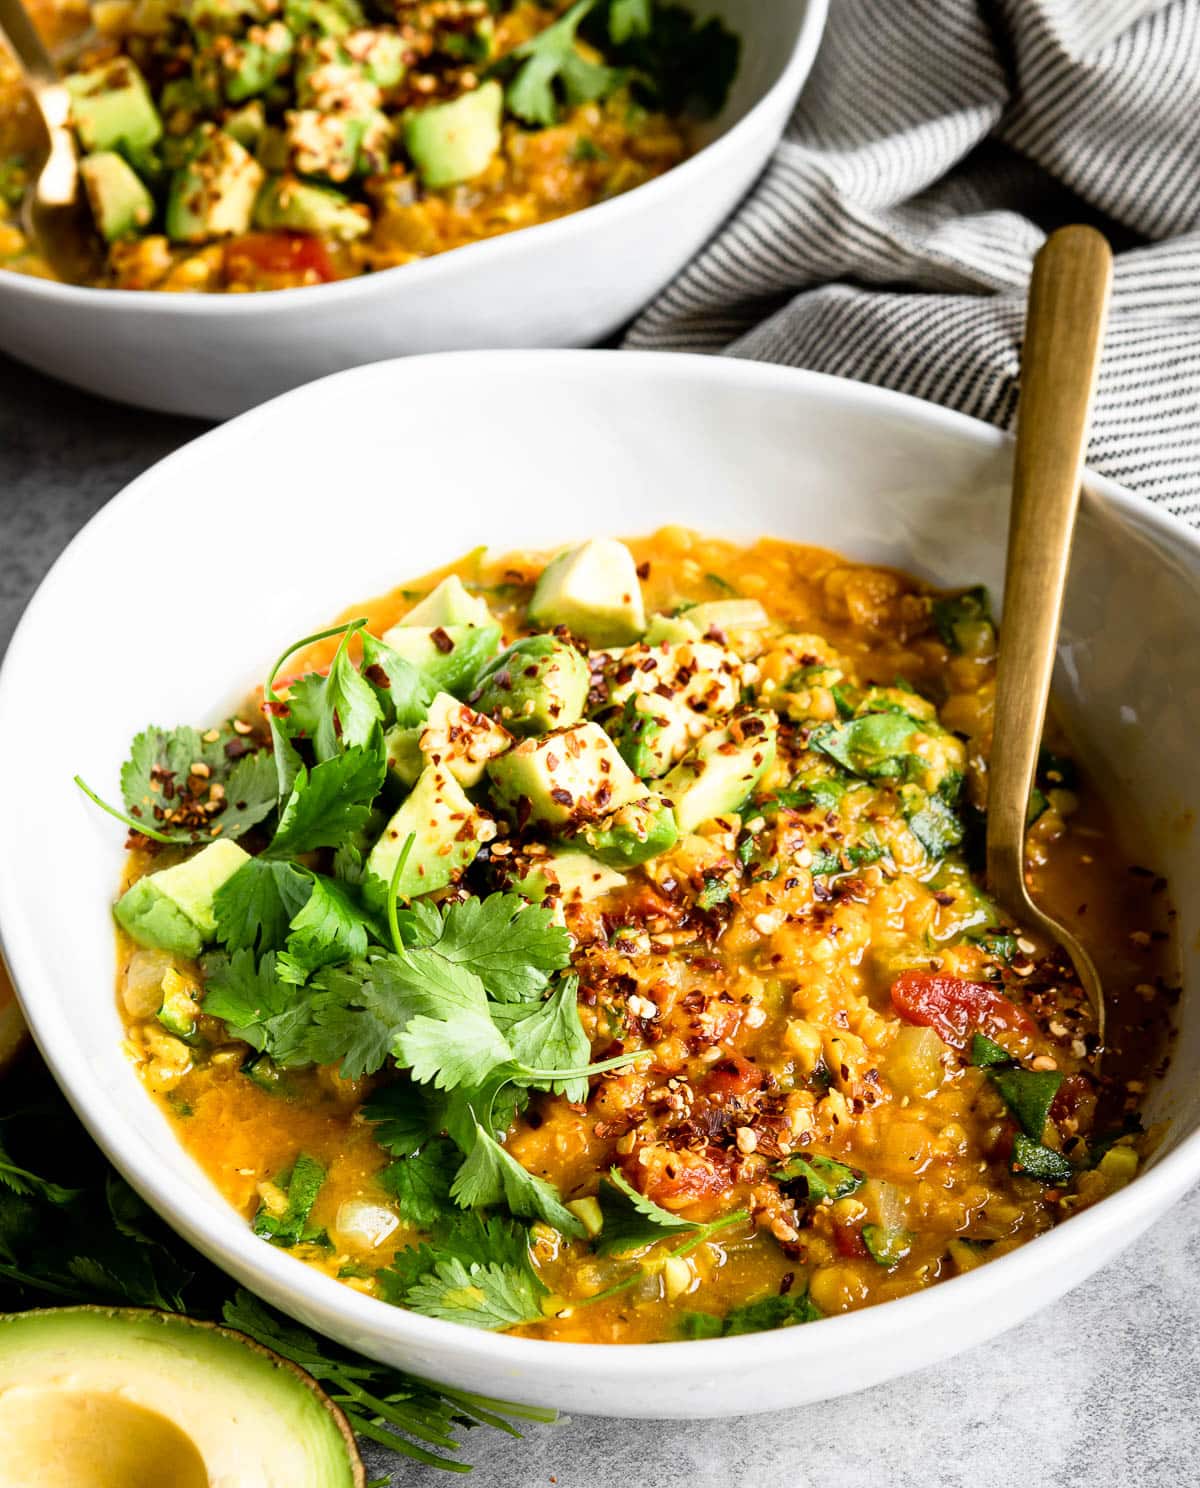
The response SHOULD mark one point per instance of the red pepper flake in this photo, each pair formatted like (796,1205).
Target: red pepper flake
(442,641)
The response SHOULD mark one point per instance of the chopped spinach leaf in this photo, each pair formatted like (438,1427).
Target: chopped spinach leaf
(755,1317)
(1028,1094)
(823,1177)
(1032,1160)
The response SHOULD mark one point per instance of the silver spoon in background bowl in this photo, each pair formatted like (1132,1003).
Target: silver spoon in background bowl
(1064,331)
(55,213)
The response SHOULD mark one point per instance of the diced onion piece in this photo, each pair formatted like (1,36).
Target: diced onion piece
(142,991)
(914,1062)
(361,1223)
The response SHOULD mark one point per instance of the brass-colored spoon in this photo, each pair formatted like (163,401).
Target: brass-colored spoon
(56,218)
(1068,308)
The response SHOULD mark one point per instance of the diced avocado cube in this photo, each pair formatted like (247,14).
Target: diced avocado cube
(337,145)
(404,758)
(450,603)
(448,656)
(251,64)
(447,832)
(669,630)
(579,878)
(706,677)
(652,733)
(726,615)
(213,194)
(173,908)
(328,78)
(111,108)
(380,54)
(246,124)
(594,591)
(453,735)
(180,1008)
(565,778)
(222,16)
(717,776)
(538,684)
(290,205)
(121,205)
(325,17)
(456,141)
(634,834)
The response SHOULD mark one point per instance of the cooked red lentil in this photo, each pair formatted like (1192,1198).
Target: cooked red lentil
(749,782)
(268,144)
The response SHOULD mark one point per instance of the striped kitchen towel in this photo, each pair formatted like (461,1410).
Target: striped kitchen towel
(934,146)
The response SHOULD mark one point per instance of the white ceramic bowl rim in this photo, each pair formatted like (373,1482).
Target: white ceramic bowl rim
(425,271)
(640,1365)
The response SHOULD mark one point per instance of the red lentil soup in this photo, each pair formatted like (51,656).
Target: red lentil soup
(674,1006)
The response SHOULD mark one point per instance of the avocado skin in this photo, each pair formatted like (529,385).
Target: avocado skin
(538,684)
(149,917)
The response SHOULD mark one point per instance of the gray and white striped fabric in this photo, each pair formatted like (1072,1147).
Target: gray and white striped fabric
(935,144)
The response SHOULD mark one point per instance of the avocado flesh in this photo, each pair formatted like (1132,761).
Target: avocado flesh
(634,834)
(111,105)
(291,205)
(212,195)
(579,877)
(538,684)
(453,142)
(447,832)
(594,591)
(717,776)
(450,603)
(448,656)
(571,775)
(453,736)
(94,1397)
(120,204)
(173,908)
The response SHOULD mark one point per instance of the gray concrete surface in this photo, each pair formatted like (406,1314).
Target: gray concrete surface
(1101,1390)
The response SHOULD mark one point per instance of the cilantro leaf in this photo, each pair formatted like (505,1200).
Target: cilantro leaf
(404,1118)
(510,946)
(255,905)
(21,1181)
(328,804)
(420,1181)
(679,65)
(302,1182)
(630,18)
(631,1220)
(762,1316)
(338,709)
(480,1296)
(160,785)
(329,929)
(258,1008)
(402,693)
(551,63)
(549,1035)
(460,1050)
(491,1175)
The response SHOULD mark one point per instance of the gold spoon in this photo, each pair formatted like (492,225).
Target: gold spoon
(1064,330)
(56,218)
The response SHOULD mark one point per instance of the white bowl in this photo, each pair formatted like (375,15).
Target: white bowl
(341,490)
(571,282)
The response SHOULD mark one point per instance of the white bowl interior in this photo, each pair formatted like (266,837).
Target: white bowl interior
(340,491)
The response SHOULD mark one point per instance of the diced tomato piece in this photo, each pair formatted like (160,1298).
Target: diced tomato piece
(732,1076)
(954,1008)
(677,1180)
(260,257)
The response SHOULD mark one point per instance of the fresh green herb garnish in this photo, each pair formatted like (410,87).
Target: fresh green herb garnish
(755,1317)
(302,1183)
(630,1219)
(550,67)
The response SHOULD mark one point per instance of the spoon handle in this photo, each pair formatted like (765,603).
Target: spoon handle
(27,46)
(1068,307)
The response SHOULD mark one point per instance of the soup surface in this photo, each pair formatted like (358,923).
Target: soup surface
(271,144)
(653,994)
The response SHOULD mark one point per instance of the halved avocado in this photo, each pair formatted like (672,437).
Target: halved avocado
(97,1397)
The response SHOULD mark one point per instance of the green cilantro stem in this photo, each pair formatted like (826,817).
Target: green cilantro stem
(346,630)
(129,821)
(618,1061)
(705,1232)
(393,889)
